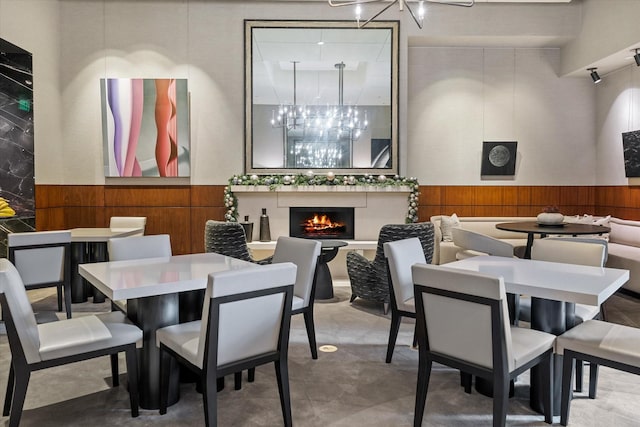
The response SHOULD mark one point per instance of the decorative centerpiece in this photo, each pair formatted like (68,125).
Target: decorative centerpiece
(550,216)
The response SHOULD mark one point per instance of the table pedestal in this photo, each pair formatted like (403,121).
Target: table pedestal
(324,282)
(83,252)
(150,314)
(554,317)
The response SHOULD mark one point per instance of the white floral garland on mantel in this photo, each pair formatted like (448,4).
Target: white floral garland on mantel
(328,179)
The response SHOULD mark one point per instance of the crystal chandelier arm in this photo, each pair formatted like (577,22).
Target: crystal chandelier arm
(391,3)
(413,15)
(340,3)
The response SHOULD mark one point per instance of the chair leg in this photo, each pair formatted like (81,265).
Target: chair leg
(593,380)
(9,394)
(385,307)
(251,375)
(424,372)
(237,380)
(165,366)
(67,299)
(59,292)
(311,332)
(132,378)
(393,334)
(210,399)
(282,376)
(579,375)
(19,394)
(547,384)
(565,403)
(115,378)
(500,400)
(466,380)
(415,336)
(353,297)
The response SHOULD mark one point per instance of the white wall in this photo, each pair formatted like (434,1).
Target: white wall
(618,111)
(459,97)
(78,42)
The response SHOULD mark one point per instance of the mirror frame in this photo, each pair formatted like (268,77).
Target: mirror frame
(393,26)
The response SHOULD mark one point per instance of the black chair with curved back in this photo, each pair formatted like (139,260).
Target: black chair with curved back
(369,278)
(228,238)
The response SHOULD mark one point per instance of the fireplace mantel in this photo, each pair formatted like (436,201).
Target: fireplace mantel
(320,189)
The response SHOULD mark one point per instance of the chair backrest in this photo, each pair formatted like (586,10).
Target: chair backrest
(40,257)
(464,314)
(392,232)
(138,247)
(246,313)
(226,238)
(22,329)
(304,254)
(401,255)
(479,242)
(570,251)
(129,222)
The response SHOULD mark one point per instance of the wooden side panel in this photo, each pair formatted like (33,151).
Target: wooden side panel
(199,217)
(147,196)
(207,195)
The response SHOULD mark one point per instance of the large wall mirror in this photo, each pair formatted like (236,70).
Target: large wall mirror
(321,95)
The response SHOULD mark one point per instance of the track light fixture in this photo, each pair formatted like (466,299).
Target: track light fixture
(637,57)
(594,75)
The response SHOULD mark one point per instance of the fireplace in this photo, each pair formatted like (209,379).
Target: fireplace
(321,223)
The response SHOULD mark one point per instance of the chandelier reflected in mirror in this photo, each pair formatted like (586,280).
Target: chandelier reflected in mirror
(319,136)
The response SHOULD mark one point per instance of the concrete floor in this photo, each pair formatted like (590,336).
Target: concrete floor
(349,387)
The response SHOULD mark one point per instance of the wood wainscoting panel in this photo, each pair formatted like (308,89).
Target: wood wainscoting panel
(168,195)
(207,195)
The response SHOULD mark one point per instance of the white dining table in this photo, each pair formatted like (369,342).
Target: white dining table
(154,285)
(551,285)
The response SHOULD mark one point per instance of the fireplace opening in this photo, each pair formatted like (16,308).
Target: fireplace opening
(321,223)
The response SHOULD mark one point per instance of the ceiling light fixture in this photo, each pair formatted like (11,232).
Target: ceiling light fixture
(417,17)
(594,75)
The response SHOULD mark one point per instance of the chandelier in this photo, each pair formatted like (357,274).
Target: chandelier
(417,16)
(316,123)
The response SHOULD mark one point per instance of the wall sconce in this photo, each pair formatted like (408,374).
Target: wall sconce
(594,75)
(637,57)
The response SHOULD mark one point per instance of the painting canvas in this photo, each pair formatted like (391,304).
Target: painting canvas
(631,149)
(145,126)
(499,158)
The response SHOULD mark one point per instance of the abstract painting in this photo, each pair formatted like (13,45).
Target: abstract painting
(631,149)
(499,158)
(145,127)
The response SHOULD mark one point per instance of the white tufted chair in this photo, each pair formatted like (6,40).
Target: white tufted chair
(43,260)
(401,255)
(245,323)
(463,322)
(34,347)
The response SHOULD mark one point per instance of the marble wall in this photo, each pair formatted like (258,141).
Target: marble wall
(16,129)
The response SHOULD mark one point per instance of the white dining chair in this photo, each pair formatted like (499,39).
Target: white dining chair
(43,259)
(140,222)
(474,243)
(401,255)
(35,347)
(578,251)
(304,253)
(463,322)
(599,343)
(137,247)
(245,323)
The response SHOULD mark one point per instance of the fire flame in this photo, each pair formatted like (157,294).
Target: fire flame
(320,223)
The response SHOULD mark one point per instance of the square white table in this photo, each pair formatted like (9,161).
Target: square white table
(551,285)
(154,285)
(90,245)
